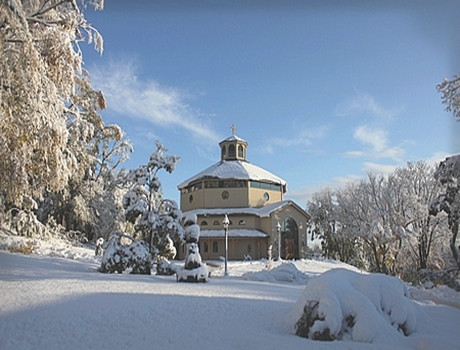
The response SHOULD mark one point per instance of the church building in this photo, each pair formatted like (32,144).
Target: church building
(252,198)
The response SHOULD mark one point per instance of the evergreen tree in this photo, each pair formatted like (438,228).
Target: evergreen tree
(155,220)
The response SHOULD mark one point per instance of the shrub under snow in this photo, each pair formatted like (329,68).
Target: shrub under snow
(345,305)
(285,272)
(120,255)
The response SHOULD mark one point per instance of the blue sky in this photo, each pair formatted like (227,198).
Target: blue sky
(324,92)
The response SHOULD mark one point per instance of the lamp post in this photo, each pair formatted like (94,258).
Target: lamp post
(278,230)
(226,222)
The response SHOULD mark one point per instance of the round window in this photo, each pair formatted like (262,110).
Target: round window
(225,195)
(266,197)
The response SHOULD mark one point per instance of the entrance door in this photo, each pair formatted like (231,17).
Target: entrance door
(289,239)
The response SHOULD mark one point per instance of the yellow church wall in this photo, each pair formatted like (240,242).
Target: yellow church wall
(234,198)
(256,197)
(238,249)
(237,197)
(195,201)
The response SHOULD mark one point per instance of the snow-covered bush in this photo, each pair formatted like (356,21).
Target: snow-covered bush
(25,223)
(285,272)
(432,278)
(120,256)
(165,268)
(345,305)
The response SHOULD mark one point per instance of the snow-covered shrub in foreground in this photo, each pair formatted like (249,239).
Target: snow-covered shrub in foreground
(345,305)
(120,256)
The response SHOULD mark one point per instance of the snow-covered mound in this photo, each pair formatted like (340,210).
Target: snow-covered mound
(345,305)
(285,272)
(52,246)
(437,295)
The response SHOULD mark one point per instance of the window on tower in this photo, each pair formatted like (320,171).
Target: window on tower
(231,151)
(224,151)
(240,152)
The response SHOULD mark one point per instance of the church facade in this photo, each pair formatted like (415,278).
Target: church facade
(252,198)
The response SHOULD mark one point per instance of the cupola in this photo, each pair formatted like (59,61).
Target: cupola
(233,147)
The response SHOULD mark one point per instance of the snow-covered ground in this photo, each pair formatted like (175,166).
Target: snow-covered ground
(57,299)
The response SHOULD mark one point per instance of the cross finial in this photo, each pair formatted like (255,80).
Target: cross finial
(233,127)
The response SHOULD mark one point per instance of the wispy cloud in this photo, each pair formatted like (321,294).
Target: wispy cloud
(305,138)
(365,105)
(376,168)
(375,144)
(145,99)
(305,194)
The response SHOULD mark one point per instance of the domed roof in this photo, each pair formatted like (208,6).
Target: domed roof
(236,170)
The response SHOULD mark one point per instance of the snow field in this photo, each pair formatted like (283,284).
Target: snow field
(53,302)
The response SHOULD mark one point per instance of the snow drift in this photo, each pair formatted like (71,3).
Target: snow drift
(345,305)
(285,272)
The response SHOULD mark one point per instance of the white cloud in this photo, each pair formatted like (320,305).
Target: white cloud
(436,158)
(304,194)
(305,137)
(375,142)
(365,104)
(145,99)
(381,169)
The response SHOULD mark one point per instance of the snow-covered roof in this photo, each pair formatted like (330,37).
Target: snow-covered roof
(261,212)
(233,138)
(233,233)
(237,170)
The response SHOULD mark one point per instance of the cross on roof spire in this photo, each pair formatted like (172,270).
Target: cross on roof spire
(233,127)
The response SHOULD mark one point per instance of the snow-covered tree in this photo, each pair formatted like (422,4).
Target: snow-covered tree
(155,219)
(91,203)
(450,90)
(324,225)
(45,95)
(448,174)
(424,234)
(383,223)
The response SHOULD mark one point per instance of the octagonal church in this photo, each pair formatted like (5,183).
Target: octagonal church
(252,198)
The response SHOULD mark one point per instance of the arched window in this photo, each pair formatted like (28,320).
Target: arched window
(216,223)
(205,247)
(204,223)
(249,249)
(240,152)
(215,247)
(242,223)
(231,151)
(224,151)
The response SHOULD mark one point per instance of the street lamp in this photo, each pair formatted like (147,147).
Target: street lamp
(226,222)
(278,229)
